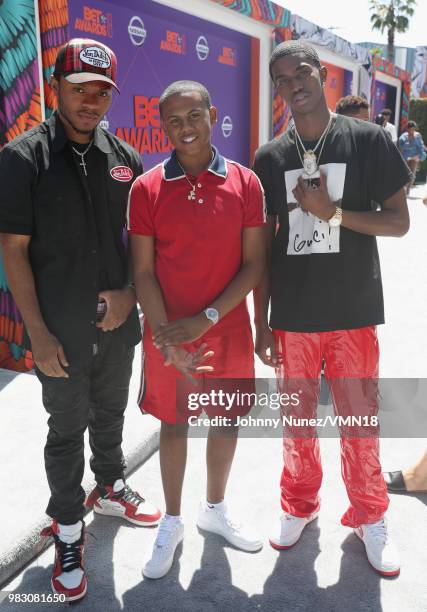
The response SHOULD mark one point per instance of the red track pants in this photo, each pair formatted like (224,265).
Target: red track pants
(351,358)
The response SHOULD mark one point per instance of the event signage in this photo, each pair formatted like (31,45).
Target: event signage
(156,45)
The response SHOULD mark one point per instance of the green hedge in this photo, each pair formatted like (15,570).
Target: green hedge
(418,113)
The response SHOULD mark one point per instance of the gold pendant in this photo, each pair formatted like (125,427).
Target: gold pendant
(310,165)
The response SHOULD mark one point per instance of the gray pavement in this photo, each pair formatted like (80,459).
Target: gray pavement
(326,571)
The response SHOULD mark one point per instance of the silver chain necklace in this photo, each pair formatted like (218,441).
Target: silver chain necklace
(82,156)
(309,160)
(192,192)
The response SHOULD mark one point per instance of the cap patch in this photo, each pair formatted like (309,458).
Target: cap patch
(95,56)
(121,173)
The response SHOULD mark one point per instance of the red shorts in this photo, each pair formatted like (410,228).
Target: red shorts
(161,385)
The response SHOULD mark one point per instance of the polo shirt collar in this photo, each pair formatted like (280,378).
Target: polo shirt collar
(59,136)
(172,170)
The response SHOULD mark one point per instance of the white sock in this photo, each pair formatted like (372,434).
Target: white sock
(118,485)
(221,506)
(175,518)
(70,533)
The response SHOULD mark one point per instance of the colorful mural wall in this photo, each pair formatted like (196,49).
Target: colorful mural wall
(20,110)
(419,73)
(53,33)
(379,91)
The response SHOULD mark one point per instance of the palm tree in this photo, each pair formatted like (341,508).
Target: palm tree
(392,16)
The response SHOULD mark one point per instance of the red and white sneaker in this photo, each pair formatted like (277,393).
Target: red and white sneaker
(68,577)
(120,500)
(381,552)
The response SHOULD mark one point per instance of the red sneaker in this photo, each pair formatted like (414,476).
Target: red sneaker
(120,500)
(68,577)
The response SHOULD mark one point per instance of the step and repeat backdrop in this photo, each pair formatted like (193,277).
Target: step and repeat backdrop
(156,45)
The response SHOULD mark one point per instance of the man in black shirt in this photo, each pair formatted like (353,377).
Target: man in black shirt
(322,180)
(63,197)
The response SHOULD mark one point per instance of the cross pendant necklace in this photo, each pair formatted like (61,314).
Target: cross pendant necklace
(192,192)
(82,156)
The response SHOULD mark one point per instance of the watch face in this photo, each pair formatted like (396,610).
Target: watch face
(334,222)
(212,314)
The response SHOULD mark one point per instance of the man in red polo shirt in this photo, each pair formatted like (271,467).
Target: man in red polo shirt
(197,236)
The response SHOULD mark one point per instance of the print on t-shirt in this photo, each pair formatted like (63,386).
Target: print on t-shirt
(308,234)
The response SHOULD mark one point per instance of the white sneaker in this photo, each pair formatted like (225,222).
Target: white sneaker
(217,520)
(170,534)
(381,552)
(290,531)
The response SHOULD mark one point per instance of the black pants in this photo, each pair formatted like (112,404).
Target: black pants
(95,396)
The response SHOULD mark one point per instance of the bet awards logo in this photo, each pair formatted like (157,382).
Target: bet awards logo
(137,31)
(202,48)
(95,56)
(94,21)
(226,126)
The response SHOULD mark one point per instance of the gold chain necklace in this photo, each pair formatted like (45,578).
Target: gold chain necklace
(309,160)
(192,192)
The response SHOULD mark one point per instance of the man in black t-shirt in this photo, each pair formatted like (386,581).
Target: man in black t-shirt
(63,197)
(322,180)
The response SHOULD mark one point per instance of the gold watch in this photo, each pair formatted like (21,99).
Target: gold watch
(336,219)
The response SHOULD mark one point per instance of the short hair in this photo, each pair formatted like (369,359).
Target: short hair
(412,124)
(294,47)
(179,87)
(351,104)
(386,111)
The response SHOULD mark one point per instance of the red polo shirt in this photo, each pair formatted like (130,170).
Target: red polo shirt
(198,241)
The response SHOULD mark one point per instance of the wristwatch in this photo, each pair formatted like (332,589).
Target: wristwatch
(336,219)
(212,314)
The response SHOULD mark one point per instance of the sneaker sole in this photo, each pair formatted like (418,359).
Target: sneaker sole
(395,572)
(158,576)
(74,597)
(238,546)
(286,546)
(152,523)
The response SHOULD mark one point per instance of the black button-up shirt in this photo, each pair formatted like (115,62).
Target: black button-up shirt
(44,194)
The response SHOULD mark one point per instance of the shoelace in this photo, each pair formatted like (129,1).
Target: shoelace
(69,554)
(128,495)
(163,534)
(234,525)
(378,531)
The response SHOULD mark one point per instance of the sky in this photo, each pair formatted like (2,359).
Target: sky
(351,20)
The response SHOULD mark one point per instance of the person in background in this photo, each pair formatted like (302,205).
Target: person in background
(389,127)
(379,120)
(63,193)
(411,480)
(353,106)
(413,150)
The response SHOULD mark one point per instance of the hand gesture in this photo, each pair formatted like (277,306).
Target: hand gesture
(188,363)
(119,304)
(265,347)
(49,355)
(315,200)
(181,331)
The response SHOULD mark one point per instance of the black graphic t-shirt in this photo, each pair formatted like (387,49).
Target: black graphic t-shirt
(323,278)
